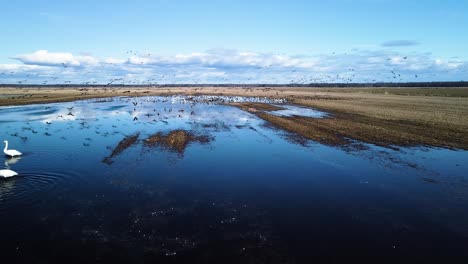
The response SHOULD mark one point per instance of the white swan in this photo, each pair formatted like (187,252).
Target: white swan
(10,152)
(7,173)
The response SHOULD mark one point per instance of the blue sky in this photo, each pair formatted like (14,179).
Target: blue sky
(233,41)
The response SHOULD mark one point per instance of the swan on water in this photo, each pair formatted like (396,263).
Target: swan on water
(10,152)
(7,173)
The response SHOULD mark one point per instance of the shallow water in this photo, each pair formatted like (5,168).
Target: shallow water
(292,110)
(250,194)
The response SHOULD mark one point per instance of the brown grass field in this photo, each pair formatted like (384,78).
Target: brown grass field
(391,117)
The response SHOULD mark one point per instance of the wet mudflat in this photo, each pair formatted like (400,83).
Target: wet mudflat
(192,179)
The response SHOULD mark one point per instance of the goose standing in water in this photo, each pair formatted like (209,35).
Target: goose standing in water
(10,152)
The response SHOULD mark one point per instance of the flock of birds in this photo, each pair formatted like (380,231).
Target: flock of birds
(6,173)
(136,109)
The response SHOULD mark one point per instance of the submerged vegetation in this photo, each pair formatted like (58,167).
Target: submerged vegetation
(121,146)
(176,140)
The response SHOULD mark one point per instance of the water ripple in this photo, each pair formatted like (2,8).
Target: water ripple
(28,185)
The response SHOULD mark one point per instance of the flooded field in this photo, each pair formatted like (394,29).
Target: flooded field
(192,179)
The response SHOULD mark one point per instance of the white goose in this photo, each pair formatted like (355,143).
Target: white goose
(10,152)
(7,173)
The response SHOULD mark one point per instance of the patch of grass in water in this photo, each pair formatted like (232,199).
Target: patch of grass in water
(123,145)
(176,140)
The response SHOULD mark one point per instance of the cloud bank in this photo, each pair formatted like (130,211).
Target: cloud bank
(45,58)
(232,66)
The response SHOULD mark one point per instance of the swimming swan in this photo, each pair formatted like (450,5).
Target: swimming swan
(7,173)
(10,152)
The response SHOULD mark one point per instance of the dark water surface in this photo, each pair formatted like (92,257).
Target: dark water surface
(250,194)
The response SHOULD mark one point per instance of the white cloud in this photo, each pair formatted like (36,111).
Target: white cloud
(22,67)
(449,64)
(232,66)
(114,61)
(46,58)
(223,58)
